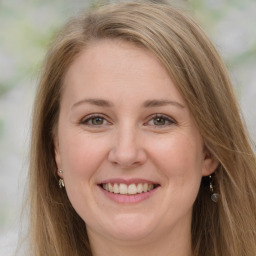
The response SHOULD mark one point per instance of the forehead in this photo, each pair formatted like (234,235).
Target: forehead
(114,54)
(121,68)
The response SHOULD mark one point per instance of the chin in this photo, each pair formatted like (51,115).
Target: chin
(130,227)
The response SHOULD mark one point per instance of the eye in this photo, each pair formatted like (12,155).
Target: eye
(94,120)
(161,121)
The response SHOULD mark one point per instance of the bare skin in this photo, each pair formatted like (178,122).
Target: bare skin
(123,121)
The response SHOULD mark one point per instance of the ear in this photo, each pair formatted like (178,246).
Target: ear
(210,163)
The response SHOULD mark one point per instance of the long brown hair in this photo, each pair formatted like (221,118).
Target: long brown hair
(227,228)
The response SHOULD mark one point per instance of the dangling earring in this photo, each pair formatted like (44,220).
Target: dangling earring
(214,196)
(61,181)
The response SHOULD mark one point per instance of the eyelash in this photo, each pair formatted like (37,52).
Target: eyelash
(87,119)
(167,119)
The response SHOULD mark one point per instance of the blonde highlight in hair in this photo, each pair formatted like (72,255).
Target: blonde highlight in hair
(227,228)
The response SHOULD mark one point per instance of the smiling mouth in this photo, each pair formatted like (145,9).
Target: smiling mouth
(131,189)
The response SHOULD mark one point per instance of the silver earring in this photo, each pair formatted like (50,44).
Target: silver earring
(214,196)
(61,183)
(60,171)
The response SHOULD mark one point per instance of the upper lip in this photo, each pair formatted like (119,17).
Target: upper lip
(128,181)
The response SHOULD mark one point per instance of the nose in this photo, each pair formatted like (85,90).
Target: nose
(127,149)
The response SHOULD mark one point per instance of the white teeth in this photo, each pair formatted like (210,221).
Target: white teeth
(116,189)
(139,188)
(132,189)
(150,187)
(124,189)
(145,187)
(110,188)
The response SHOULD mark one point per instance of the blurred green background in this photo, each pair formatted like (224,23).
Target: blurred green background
(26,30)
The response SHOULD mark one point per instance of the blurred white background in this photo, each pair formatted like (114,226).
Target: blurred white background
(26,29)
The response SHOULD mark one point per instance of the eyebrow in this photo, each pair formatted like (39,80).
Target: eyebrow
(161,103)
(146,104)
(96,102)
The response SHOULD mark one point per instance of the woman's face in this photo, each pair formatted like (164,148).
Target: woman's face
(131,154)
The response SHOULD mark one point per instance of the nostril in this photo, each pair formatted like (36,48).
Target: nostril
(126,155)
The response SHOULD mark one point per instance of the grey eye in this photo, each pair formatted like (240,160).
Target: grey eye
(160,121)
(94,120)
(97,120)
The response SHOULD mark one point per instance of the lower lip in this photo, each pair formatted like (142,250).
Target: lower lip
(129,199)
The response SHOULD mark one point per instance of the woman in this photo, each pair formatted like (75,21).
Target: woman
(137,142)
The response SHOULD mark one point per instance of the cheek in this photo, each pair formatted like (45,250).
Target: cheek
(82,157)
(179,157)
(81,154)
